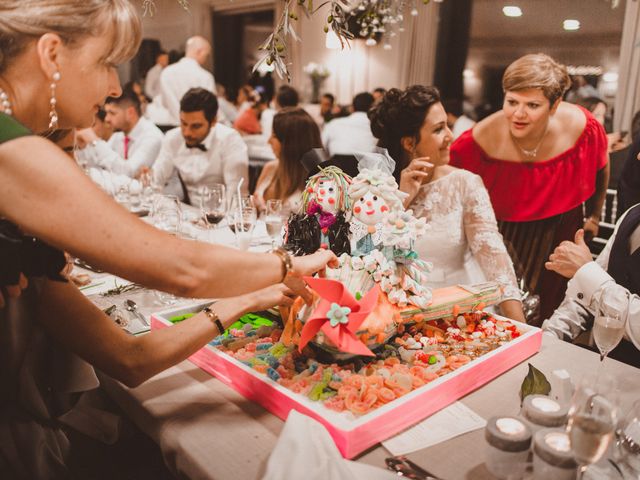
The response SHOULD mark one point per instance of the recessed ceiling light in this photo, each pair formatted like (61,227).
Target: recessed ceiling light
(571,24)
(512,11)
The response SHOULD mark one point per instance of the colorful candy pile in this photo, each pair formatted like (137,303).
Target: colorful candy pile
(416,356)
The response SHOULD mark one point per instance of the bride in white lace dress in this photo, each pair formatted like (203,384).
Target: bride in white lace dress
(463,241)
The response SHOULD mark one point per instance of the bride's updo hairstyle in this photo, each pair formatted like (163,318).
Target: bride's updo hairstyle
(401,114)
(537,70)
(24,21)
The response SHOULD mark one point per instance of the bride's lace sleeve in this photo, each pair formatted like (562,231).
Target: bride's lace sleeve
(485,241)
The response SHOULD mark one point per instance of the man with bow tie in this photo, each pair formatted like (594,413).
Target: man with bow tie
(201,151)
(616,274)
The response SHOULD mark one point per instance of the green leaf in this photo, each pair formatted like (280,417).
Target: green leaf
(534,383)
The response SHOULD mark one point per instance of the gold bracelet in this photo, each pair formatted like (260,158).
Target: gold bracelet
(286,259)
(213,316)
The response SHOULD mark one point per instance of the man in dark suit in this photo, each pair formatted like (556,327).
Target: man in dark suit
(616,274)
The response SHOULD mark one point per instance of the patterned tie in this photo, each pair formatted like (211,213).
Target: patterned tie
(126,147)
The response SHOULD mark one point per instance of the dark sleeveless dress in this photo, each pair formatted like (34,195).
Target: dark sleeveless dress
(39,380)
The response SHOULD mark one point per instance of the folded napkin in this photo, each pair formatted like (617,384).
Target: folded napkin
(306,450)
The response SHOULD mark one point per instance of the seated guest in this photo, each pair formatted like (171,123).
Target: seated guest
(202,151)
(597,106)
(328,108)
(629,181)
(351,134)
(287,97)
(456,119)
(135,144)
(616,274)
(294,134)
(378,93)
(152,80)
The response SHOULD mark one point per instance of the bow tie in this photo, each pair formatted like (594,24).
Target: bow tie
(198,146)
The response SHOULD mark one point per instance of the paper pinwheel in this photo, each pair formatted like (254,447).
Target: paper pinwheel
(338,315)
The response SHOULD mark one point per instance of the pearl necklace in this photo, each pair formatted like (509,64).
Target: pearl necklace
(5,103)
(533,153)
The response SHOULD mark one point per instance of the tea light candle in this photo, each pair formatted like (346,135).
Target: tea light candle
(552,455)
(543,412)
(508,442)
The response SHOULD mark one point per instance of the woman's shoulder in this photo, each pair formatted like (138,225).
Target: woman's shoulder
(572,119)
(489,132)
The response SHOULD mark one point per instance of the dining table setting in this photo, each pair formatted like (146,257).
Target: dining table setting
(581,418)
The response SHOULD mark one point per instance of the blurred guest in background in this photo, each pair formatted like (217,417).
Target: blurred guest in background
(135,144)
(344,136)
(598,108)
(152,80)
(201,150)
(456,119)
(378,93)
(294,134)
(540,158)
(187,73)
(287,96)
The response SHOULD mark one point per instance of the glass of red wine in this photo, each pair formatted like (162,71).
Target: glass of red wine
(213,203)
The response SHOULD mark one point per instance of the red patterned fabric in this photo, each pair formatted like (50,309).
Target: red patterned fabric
(521,192)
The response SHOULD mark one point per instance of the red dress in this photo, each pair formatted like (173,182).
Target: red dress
(538,204)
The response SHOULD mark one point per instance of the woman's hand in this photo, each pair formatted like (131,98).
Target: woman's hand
(513,309)
(414,176)
(265,298)
(308,265)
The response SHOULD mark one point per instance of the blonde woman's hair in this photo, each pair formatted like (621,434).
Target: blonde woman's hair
(23,21)
(537,70)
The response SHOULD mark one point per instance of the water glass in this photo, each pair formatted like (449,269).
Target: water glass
(244,223)
(167,213)
(274,221)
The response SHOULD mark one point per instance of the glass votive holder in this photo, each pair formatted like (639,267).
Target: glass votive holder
(552,455)
(508,442)
(541,411)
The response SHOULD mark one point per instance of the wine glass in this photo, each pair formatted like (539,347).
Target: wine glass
(273,220)
(628,442)
(244,223)
(592,420)
(166,213)
(608,326)
(213,203)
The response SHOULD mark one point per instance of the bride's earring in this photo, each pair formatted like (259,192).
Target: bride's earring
(53,113)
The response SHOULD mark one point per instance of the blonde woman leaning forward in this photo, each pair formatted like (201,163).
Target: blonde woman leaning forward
(57,66)
(540,159)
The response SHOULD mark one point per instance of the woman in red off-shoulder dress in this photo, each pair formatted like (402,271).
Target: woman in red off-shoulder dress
(540,159)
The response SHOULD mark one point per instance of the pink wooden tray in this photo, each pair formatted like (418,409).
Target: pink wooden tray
(353,434)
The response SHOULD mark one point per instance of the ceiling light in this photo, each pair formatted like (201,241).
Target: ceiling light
(512,11)
(571,24)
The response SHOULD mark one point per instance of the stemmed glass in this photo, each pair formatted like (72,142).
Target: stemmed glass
(274,221)
(167,213)
(213,203)
(628,441)
(244,223)
(608,326)
(592,420)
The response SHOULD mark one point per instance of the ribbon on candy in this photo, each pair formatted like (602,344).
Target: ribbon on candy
(325,219)
(338,315)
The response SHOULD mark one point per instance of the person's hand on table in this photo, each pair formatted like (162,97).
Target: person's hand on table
(85,136)
(306,266)
(413,176)
(568,257)
(13,291)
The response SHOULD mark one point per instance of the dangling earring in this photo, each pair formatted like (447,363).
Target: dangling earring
(53,114)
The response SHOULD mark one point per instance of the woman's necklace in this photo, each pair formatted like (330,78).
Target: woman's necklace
(5,103)
(533,153)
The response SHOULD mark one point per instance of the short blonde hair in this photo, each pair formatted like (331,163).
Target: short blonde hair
(537,70)
(22,21)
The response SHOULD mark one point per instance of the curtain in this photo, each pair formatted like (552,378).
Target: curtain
(628,96)
(418,45)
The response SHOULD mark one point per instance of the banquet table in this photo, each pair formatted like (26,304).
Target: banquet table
(206,430)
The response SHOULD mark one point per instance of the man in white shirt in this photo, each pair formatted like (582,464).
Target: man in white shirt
(202,151)
(187,73)
(134,145)
(614,275)
(152,80)
(345,136)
